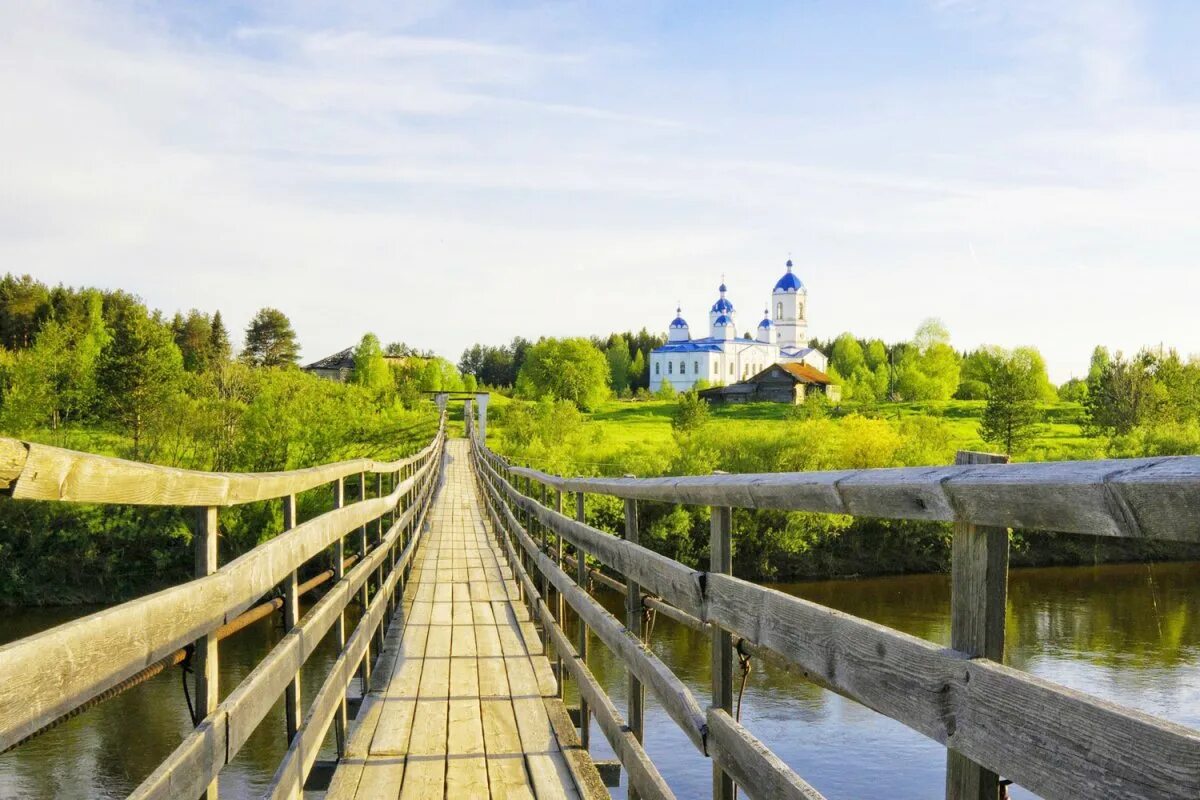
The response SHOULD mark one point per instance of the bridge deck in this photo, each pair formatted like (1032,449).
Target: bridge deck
(463,703)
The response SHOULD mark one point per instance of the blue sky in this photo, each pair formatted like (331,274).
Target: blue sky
(445,173)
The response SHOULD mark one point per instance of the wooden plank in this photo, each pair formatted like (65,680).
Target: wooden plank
(52,473)
(979,586)
(759,773)
(187,770)
(669,579)
(1054,741)
(1152,498)
(633,624)
(207,669)
(45,675)
(675,698)
(721,562)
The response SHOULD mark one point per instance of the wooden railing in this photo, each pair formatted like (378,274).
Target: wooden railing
(50,675)
(995,721)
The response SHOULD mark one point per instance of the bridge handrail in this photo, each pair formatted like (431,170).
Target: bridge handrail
(1053,740)
(1152,498)
(45,676)
(32,471)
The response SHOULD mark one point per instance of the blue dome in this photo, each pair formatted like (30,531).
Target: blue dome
(722,320)
(766,323)
(722,306)
(679,322)
(722,288)
(789,282)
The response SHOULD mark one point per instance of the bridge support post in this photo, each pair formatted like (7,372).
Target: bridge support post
(207,658)
(633,623)
(978,595)
(560,604)
(581,577)
(291,615)
(364,597)
(721,561)
(339,572)
(481,403)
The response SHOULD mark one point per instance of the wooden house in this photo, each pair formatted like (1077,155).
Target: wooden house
(778,383)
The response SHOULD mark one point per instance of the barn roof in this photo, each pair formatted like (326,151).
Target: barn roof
(340,360)
(801,373)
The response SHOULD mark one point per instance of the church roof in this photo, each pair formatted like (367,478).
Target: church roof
(789,282)
(722,320)
(722,306)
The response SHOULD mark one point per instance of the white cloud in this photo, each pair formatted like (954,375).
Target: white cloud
(447,187)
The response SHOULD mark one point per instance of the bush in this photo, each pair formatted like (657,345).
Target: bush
(691,413)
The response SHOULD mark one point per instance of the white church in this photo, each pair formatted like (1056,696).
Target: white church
(724,356)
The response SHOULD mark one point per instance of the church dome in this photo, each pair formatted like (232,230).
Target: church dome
(678,322)
(789,282)
(722,306)
(766,323)
(722,320)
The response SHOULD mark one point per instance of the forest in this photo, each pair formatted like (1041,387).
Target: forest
(99,371)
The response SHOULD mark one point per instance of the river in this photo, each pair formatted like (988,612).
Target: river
(1126,633)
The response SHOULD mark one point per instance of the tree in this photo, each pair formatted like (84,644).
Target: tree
(1011,414)
(928,369)
(564,369)
(270,340)
(138,373)
(691,413)
(193,337)
(619,363)
(638,379)
(219,349)
(370,369)
(1123,393)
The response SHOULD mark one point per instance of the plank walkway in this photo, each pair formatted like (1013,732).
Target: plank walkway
(463,703)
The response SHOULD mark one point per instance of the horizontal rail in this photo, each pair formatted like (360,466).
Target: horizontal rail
(204,752)
(46,675)
(34,471)
(677,584)
(643,775)
(676,699)
(1148,498)
(1055,741)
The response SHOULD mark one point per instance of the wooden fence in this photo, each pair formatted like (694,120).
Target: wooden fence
(50,675)
(996,722)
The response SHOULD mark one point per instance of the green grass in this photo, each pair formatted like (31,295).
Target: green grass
(627,425)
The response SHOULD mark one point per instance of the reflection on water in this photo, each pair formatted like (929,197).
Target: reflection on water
(107,751)
(1127,633)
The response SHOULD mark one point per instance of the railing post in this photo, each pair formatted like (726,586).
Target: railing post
(206,653)
(721,561)
(581,577)
(291,615)
(633,623)
(978,595)
(558,601)
(543,538)
(339,571)
(364,594)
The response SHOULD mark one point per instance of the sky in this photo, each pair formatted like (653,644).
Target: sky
(443,173)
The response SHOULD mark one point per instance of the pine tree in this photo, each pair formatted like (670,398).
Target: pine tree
(270,340)
(219,348)
(1011,414)
(138,372)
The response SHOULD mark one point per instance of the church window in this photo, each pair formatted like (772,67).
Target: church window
(731,368)
(656,366)
(800,310)
(779,311)
(696,367)
(682,367)
(670,367)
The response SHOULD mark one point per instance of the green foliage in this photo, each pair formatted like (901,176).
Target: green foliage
(691,412)
(270,340)
(665,391)
(928,369)
(1011,415)
(565,369)
(199,340)
(619,363)
(138,374)
(816,405)
(370,369)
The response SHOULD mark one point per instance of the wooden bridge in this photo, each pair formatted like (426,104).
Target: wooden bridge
(466,569)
